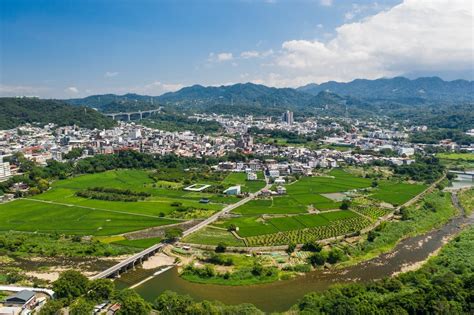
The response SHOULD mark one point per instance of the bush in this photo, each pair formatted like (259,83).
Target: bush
(173,234)
(291,248)
(312,247)
(318,258)
(346,203)
(221,247)
(335,255)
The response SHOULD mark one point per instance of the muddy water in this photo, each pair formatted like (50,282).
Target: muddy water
(281,295)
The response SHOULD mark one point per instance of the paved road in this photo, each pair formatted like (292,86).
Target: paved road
(226,210)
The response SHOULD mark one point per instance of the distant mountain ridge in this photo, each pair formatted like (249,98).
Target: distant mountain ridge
(398,88)
(369,96)
(18,111)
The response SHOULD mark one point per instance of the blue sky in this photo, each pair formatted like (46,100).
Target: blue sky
(71,48)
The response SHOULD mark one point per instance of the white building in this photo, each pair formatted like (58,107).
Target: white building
(274,173)
(5,172)
(234,190)
(251,176)
(406,151)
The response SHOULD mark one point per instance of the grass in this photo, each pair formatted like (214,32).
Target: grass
(240,178)
(213,236)
(456,156)
(466,198)
(140,243)
(241,272)
(307,192)
(60,210)
(418,220)
(397,193)
(34,216)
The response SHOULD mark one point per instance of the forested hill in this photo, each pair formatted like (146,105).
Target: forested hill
(17,111)
(245,98)
(111,103)
(400,89)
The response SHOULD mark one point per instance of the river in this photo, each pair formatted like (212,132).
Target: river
(280,296)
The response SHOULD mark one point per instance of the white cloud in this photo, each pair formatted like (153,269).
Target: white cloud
(224,57)
(255,54)
(249,54)
(154,88)
(415,36)
(72,89)
(326,3)
(110,74)
(220,57)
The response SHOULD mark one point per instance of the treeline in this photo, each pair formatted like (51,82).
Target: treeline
(436,135)
(37,178)
(171,121)
(289,136)
(18,111)
(425,169)
(112,194)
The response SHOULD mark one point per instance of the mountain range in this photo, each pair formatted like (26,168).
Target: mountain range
(399,88)
(262,99)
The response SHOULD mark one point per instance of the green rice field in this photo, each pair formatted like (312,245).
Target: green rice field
(60,210)
(397,193)
(305,193)
(456,156)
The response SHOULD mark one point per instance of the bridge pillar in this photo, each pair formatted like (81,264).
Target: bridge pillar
(128,117)
(141,115)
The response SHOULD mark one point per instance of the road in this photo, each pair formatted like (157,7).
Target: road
(226,210)
(130,261)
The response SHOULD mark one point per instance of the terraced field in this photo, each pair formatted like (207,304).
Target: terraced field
(249,226)
(300,236)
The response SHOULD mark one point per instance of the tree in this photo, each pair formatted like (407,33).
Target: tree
(374,183)
(53,307)
(335,255)
(312,247)
(371,235)
(173,234)
(346,203)
(131,303)
(318,258)
(221,247)
(100,290)
(232,227)
(70,285)
(81,307)
(170,303)
(291,248)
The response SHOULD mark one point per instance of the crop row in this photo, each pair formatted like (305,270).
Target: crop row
(371,212)
(333,229)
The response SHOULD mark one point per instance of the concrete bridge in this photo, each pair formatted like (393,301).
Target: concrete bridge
(128,263)
(137,259)
(465,173)
(139,114)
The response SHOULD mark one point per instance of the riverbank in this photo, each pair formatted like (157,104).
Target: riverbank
(281,295)
(432,212)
